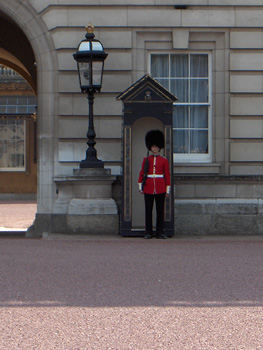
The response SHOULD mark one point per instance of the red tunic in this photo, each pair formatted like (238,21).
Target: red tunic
(158,165)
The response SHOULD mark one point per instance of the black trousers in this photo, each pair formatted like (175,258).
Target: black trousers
(159,202)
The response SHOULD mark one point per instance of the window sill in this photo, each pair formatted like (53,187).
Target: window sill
(196,168)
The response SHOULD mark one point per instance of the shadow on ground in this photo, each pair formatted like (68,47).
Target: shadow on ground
(130,272)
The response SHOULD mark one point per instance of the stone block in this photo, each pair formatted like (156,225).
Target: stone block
(235,2)
(234,224)
(74,151)
(192,224)
(67,39)
(104,104)
(61,205)
(246,39)
(137,17)
(184,191)
(246,152)
(249,61)
(66,60)
(55,17)
(105,127)
(188,207)
(79,206)
(249,105)
(69,82)
(41,5)
(246,83)
(115,39)
(259,227)
(182,2)
(237,207)
(180,38)
(246,169)
(127,2)
(120,61)
(250,190)
(208,18)
(220,104)
(251,18)
(215,190)
(196,168)
(65,150)
(113,15)
(260,207)
(246,128)
(85,224)
(115,83)
(65,105)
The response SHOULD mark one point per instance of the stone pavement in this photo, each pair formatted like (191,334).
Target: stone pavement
(69,293)
(16,215)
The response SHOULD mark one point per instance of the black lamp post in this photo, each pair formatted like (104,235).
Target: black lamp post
(90,58)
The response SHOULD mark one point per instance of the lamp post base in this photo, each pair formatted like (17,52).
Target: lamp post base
(91,163)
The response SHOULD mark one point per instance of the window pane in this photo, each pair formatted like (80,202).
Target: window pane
(22,100)
(199,141)
(12,100)
(181,141)
(3,100)
(32,100)
(11,109)
(179,87)
(12,144)
(179,65)
(31,109)
(199,90)
(164,82)
(180,117)
(199,117)
(160,66)
(22,109)
(199,66)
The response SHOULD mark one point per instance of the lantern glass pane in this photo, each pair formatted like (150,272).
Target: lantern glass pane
(85,73)
(97,73)
(96,46)
(84,46)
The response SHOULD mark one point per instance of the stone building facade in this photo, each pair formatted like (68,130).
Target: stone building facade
(206,52)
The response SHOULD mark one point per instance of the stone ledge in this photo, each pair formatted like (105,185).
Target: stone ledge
(225,178)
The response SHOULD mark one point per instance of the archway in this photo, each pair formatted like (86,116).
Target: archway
(26,47)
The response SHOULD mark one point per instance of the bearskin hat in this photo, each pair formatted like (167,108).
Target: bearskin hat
(154,137)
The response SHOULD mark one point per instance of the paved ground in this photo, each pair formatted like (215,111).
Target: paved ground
(16,215)
(114,293)
(123,293)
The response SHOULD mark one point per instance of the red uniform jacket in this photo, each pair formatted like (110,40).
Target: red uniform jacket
(158,177)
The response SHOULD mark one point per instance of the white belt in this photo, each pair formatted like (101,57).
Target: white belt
(154,175)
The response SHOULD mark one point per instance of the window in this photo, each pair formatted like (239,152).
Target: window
(17,104)
(187,76)
(12,145)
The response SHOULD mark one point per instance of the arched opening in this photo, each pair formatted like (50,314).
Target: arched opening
(18,127)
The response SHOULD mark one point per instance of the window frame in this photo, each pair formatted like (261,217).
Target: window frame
(18,169)
(193,157)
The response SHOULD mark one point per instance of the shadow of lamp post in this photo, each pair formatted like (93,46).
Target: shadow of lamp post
(90,58)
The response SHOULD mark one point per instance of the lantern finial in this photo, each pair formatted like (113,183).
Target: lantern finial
(89,28)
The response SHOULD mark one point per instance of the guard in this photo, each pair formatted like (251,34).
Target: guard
(154,182)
